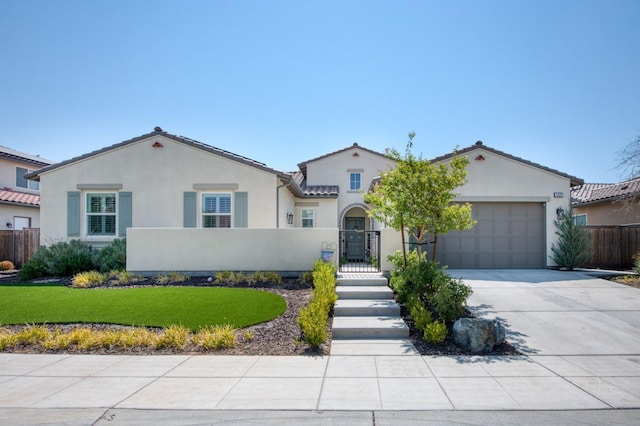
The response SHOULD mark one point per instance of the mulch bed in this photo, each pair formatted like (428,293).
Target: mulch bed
(281,336)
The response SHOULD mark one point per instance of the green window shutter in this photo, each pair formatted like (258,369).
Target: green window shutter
(241,211)
(124,213)
(190,209)
(73,214)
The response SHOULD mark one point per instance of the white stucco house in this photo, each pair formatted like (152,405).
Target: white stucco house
(187,206)
(19,197)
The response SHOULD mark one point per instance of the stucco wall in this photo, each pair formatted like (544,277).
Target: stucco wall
(209,250)
(8,212)
(157,178)
(334,170)
(609,214)
(500,179)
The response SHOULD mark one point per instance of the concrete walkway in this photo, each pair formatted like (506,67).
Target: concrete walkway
(579,334)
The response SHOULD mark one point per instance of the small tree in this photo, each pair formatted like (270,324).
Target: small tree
(418,196)
(573,247)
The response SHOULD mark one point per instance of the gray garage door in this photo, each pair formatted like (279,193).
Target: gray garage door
(507,235)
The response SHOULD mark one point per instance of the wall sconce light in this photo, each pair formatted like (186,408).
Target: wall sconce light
(560,212)
(290,218)
(9,225)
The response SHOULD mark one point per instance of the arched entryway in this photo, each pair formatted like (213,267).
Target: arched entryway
(359,244)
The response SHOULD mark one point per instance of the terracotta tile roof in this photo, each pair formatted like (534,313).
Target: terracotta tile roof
(314,191)
(479,145)
(599,192)
(20,198)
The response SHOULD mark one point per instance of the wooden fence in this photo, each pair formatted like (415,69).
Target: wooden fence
(613,246)
(19,246)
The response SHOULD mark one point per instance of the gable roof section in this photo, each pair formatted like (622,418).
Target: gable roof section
(479,145)
(19,198)
(23,157)
(181,139)
(314,191)
(303,166)
(589,193)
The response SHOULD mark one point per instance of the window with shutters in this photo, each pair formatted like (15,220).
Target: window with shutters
(216,210)
(101,213)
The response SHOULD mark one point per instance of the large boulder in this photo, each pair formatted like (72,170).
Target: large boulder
(478,336)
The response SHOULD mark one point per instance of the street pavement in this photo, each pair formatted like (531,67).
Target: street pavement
(580,364)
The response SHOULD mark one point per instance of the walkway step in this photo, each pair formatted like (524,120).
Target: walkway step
(369,328)
(373,281)
(359,307)
(373,347)
(364,292)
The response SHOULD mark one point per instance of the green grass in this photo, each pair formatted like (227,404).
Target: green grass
(191,307)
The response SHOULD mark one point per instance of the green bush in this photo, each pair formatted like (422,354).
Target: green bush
(112,257)
(450,298)
(67,258)
(435,332)
(312,319)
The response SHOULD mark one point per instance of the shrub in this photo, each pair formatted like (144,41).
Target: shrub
(306,277)
(273,277)
(220,336)
(173,277)
(6,265)
(573,247)
(112,257)
(123,278)
(88,279)
(435,332)
(174,337)
(62,259)
(636,263)
(450,298)
(312,319)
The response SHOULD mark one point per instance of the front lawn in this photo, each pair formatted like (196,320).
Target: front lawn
(191,307)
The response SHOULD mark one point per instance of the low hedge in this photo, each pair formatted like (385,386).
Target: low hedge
(313,319)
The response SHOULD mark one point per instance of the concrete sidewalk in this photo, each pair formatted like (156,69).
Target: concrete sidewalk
(84,388)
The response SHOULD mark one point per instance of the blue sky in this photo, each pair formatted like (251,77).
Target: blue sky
(555,82)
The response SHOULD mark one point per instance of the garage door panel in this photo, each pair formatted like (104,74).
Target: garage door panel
(507,235)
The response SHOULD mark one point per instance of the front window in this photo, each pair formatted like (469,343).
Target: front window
(22,182)
(354,181)
(307,218)
(101,213)
(216,210)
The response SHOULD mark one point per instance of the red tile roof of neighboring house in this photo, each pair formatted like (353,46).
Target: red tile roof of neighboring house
(21,198)
(599,192)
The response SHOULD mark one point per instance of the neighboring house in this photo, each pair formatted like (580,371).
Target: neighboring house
(161,190)
(19,197)
(607,204)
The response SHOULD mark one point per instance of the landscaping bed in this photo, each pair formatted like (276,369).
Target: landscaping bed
(281,336)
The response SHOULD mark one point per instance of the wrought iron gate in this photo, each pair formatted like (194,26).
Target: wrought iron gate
(359,251)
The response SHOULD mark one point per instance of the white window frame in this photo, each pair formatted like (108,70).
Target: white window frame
(352,174)
(580,215)
(31,184)
(304,216)
(218,214)
(88,214)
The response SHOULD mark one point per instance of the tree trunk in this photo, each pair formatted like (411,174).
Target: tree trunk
(404,248)
(435,246)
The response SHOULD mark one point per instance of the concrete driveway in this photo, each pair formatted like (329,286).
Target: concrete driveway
(558,313)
